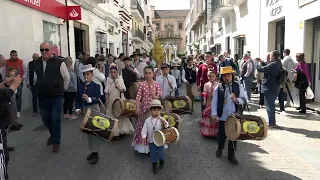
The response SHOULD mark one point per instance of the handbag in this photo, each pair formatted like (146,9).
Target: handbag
(309,93)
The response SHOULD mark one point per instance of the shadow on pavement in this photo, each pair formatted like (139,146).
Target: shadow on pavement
(307,133)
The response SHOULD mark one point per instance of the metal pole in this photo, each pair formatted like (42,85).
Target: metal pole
(67,23)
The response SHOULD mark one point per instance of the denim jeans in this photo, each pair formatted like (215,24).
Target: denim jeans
(247,81)
(51,115)
(156,153)
(270,98)
(34,99)
(281,97)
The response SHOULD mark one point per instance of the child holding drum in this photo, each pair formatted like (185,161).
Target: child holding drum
(153,123)
(88,95)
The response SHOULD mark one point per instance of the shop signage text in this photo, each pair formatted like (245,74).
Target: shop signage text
(52,7)
(276,8)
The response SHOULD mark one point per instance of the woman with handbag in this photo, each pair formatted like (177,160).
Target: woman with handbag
(301,80)
(115,89)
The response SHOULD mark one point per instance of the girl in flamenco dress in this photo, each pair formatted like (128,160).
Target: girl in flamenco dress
(209,127)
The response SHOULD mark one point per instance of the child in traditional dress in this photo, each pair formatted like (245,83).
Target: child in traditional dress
(148,90)
(153,123)
(15,126)
(115,89)
(88,96)
(209,127)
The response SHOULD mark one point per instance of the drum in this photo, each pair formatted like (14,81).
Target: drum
(98,124)
(194,90)
(124,108)
(173,119)
(133,90)
(246,127)
(165,136)
(178,104)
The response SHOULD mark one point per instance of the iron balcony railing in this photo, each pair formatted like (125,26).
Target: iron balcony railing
(138,33)
(216,4)
(169,35)
(136,5)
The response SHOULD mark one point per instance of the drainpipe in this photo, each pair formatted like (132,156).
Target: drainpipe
(68,38)
(259,27)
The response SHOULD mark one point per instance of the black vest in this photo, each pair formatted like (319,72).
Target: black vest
(190,73)
(49,83)
(221,92)
(31,72)
(128,77)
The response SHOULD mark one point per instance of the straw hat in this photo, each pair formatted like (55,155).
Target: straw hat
(156,103)
(87,68)
(226,70)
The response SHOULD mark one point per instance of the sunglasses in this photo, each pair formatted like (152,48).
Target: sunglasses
(46,49)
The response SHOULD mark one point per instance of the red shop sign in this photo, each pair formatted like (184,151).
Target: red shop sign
(74,12)
(53,8)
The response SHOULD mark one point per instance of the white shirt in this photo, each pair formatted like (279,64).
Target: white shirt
(99,78)
(288,63)
(140,67)
(150,125)
(166,90)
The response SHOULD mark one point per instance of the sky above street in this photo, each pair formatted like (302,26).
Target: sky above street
(170,4)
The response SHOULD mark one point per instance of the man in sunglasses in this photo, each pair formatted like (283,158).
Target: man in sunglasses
(52,79)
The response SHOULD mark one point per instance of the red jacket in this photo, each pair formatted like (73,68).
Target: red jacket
(202,75)
(18,65)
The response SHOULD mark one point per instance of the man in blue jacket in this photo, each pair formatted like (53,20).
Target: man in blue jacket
(270,85)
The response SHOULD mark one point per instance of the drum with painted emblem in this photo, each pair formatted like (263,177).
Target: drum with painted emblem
(124,108)
(165,136)
(98,124)
(178,104)
(173,119)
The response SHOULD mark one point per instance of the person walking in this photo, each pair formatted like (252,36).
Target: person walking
(270,85)
(52,79)
(31,82)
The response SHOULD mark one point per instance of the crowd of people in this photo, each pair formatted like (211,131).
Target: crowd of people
(96,82)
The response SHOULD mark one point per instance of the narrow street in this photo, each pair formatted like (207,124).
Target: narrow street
(291,153)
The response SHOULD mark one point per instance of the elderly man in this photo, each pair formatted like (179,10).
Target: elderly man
(31,82)
(52,79)
(247,73)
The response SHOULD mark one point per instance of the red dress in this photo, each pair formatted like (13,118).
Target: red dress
(145,98)
(208,127)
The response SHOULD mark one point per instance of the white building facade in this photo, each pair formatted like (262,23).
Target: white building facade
(104,28)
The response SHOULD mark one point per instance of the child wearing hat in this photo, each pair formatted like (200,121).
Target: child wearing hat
(88,95)
(153,123)
(176,73)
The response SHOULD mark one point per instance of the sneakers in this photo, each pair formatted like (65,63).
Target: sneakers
(284,113)
(18,114)
(72,117)
(93,158)
(65,116)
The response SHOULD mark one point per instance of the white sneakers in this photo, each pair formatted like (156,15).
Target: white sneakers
(18,114)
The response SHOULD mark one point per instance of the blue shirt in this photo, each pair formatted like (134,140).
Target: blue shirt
(92,90)
(229,106)
(271,72)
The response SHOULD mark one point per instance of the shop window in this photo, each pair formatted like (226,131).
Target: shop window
(101,43)
(158,26)
(180,26)
(51,35)
(239,46)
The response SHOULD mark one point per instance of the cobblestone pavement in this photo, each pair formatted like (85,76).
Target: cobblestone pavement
(290,154)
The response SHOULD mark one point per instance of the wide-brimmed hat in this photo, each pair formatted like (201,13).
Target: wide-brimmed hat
(156,103)
(87,68)
(226,70)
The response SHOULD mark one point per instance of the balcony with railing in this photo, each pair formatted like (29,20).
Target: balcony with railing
(220,8)
(169,35)
(136,10)
(138,35)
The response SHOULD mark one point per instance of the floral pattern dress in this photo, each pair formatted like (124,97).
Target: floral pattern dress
(208,127)
(145,98)
(124,126)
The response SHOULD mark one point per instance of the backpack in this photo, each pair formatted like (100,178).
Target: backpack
(283,76)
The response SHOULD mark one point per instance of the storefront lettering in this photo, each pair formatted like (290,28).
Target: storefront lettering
(276,11)
(34,2)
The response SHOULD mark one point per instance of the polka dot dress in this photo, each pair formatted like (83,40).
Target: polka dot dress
(145,97)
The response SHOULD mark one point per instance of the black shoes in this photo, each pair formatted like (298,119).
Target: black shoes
(218,152)
(93,158)
(161,165)
(10,148)
(15,128)
(155,168)
(303,111)
(233,160)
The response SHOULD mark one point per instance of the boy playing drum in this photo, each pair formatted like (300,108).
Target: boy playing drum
(154,123)
(88,96)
